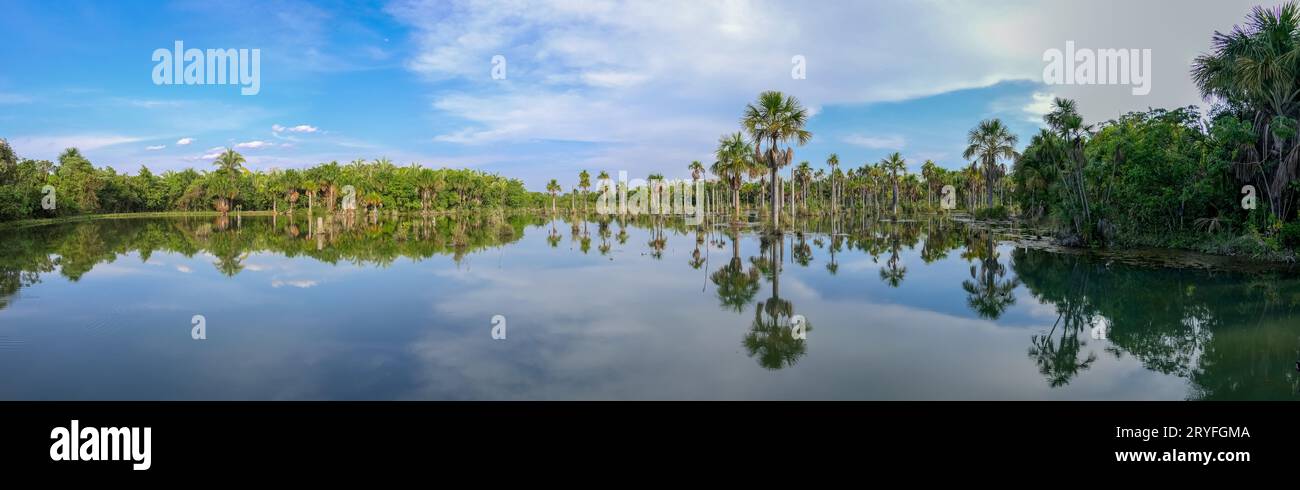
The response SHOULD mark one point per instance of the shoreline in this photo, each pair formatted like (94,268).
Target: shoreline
(1012,231)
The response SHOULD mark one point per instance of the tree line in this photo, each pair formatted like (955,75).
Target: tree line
(1224,182)
(78,187)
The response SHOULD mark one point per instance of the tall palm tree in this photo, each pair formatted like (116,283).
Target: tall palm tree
(603,179)
(311,187)
(805,175)
(229,165)
(990,141)
(230,162)
(833,161)
(553,187)
(697,173)
(430,183)
(1256,67)
(819,176)
(734,161)
(931,173)
(584,183)
(775,119)
(894,163)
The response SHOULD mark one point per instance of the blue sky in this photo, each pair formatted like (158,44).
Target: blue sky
(637,86)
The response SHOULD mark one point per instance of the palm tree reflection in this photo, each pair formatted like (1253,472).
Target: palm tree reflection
(894,271)
(771,338)
(988,293)
(735,285)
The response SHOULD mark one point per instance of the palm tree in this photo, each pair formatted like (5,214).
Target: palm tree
(930,172)
(990,141)
(894,163)
(654,187)
(697,173)
(430,183)
(328,177)
(1255,68)
(603,179)
(1064,145)
(775,119)
(819,176)
(805,175)
(734,161)
(584,183)
(553,187)
(971,177)
(229,165)
(290,181)
(311,186)
(833,161)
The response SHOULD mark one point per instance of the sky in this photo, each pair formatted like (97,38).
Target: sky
(640,86)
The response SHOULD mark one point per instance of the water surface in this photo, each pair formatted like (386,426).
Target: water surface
(619,309)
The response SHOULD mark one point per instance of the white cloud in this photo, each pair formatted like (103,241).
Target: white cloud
(1039,106)
(184,141)
(646,73)
(297,283)
(184,268)
(301,128)
(53,145)
(613,78)
(651,79)
(254,145)
(155,147)
(211,154)
(892,142)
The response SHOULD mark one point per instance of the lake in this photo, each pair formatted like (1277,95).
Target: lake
(635,308)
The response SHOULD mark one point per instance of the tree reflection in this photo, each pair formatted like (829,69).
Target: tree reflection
(989,293)
(771,338)
(1057,357)
(1233,336)
(73,249)
(894,271)
(735,285)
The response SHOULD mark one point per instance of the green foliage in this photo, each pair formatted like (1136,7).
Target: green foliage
(996,213)
(1289,236)
(1156,171)
(1139,179)
(80,188)
(21,182)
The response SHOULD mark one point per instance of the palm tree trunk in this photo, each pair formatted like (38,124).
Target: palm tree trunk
(988,176)
(895,195)
(776,200)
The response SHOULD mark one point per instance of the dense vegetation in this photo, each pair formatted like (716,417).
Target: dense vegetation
(1225,182)
(81,188)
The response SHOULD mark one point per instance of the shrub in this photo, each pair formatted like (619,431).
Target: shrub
(1289,235)
(997,213)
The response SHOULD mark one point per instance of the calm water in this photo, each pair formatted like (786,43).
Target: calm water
(403,309)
